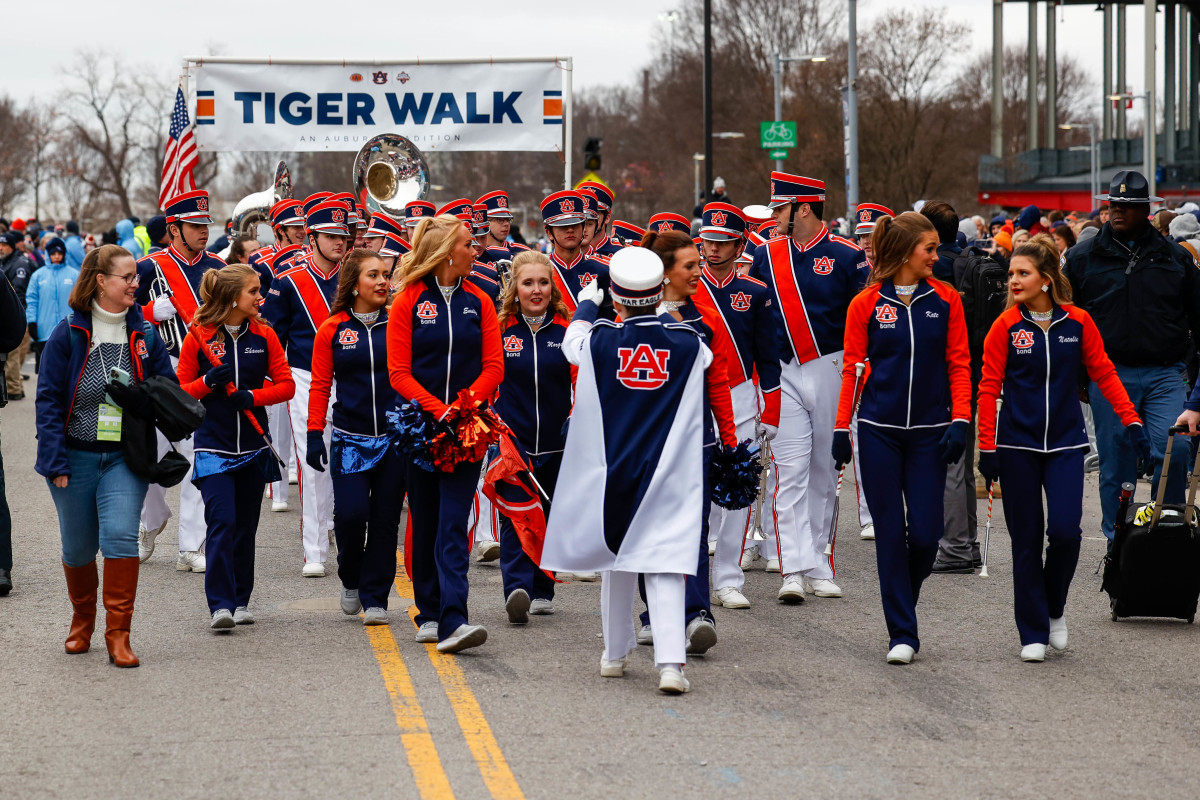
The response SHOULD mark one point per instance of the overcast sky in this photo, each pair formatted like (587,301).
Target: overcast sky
(609,41)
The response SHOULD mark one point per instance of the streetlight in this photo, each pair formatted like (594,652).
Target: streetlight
(698,158)
(1148,154)
(780,60)
(1093,156)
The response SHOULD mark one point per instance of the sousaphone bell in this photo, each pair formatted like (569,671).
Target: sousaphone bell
(390,172)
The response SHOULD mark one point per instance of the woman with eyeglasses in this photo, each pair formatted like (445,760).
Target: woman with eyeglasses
(92,364)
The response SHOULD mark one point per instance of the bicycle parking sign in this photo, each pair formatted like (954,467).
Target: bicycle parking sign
(774,135)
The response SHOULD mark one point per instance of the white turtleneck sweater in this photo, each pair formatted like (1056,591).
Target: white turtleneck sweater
(110,348)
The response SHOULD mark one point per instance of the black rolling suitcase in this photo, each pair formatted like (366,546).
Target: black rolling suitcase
(1154,567)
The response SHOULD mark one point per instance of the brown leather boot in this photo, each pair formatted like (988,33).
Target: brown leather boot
(81,588)
(120,589)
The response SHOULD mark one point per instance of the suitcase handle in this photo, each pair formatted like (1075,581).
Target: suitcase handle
(1166,471)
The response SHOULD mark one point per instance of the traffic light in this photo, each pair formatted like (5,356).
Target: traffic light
(591,154)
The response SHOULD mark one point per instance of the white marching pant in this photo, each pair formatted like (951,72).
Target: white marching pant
(665,601)
(729,528)
(316,488)
(156,512)
(279,425)
(482,521)
(802,503)
(864,513)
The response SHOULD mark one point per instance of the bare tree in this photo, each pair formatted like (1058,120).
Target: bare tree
(81,200)
(43,134)
(14,152)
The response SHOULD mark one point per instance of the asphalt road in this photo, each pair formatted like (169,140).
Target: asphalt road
(793,701)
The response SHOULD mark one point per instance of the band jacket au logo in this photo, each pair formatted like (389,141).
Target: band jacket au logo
(643,367)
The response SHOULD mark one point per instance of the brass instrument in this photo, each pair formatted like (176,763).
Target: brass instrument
(390,172)
(254,209)
(169,330)
(758,534)
(503,269)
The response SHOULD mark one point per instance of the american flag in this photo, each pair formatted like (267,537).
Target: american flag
(181,157)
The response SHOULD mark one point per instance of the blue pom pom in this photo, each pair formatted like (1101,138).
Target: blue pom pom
(411,431)
(735,475)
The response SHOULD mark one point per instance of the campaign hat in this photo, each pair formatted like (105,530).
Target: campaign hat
(1129,186)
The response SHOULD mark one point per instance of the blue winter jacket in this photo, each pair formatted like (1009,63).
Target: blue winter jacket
(75,251)
(47,295)
(126,239)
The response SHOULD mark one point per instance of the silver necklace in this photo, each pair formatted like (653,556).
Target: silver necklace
(1042,316)
(671,305)
(905,291)
(532,321)
(367,318)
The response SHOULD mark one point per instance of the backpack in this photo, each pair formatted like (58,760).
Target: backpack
(982,282)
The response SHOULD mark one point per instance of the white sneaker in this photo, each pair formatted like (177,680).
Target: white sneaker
(349,601)
(541,607)
(700,635)
(375,616)
(612,669)
(901,654)
(279,505)
(427,633)
(146,541)
(222,620)
(671,681)
(466,636)
(712,548)
(822,587)
(1058,632)
(1033,652)
(792,590)
(191,561)
(486,552)
(772,565)
(242,616)
(293,478)
(645,635)
(868,533)
(749,556)
(313,569)
(586,577)
(517,606)
(730,597)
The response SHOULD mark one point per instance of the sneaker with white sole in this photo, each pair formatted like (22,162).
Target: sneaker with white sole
(729,597)
(222,620)
(293,478)
(700,635)
(375,616)
(1058,632)
(671,681)
(486,552)
(349,601)
(822,587)
(1033,652)
(612,669)
(645,635)
(279,505)
(868,533)
(772,565)
(749,557)
(712,547)
(464,637)
(541,606)
(901,654)
(191,561)
(792,590)
(242,616)
(517,606)
(427,633)
(146,541)
(313,569)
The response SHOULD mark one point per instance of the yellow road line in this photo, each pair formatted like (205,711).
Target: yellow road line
(484,748)
(430,777)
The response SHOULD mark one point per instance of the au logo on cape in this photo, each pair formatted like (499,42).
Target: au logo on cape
(643,367)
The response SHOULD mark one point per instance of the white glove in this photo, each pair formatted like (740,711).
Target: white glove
(164,309)
(768,432)
(592,292)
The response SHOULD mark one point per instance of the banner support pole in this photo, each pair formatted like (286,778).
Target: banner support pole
(568,113)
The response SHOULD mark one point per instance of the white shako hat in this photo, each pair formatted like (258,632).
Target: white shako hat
(637,277)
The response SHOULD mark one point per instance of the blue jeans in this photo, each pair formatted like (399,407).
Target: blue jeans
(1158,394)
(99,509)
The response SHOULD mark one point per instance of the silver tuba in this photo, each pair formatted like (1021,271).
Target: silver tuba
(390,172)
(255,209)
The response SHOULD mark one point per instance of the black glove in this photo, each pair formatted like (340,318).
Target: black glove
(33,331)
(317,457)
(843,453)
(954,442)
(218,376)
(241,399)
(129,398)
(989,465)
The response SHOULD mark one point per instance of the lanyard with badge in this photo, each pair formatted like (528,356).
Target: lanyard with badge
(108,418)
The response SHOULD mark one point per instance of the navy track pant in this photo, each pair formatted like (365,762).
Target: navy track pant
(232,501)
(518,569)
(366,521)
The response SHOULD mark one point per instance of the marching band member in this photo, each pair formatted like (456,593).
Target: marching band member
(743,307)
(233,459)
(535,402)
(562,219)
(812,276)
(297,304)
(443,339)
(392,249)
(368,473)
(867,215)
(414,212)
(603,245)
(1033,354)
(79,449)
(381,225)
(177,270)
(626,234)
(499,219)
(661,223)
(287,223)
(630,495)
(915,412)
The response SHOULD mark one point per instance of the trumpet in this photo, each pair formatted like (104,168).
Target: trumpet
(168,330)
(758,534)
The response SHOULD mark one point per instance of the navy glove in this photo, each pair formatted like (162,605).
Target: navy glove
(1139,443)
(317,457)
(33,331)
(218,376)
(989,465)
(241,400)
(129,398)
(843,453)
(954,442)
